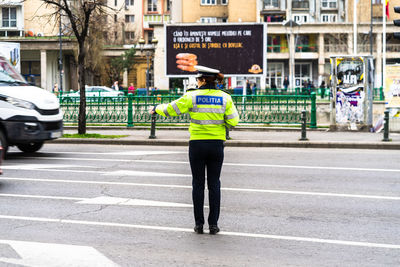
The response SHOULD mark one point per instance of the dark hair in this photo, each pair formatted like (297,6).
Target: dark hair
(217,78)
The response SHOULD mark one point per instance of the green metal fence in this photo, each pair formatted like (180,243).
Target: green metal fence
(135,109)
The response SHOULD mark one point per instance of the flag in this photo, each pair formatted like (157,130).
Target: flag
(387,8)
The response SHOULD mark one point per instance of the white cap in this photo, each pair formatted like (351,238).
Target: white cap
(205,71)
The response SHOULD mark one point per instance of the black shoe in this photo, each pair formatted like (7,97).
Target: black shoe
(213,229)
(198,229)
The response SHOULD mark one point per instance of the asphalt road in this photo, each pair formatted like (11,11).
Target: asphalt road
(96,205)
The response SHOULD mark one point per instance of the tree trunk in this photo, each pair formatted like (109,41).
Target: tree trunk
(81,81)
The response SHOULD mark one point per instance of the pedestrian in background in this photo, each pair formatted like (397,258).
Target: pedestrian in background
(115,86)
(322,89)
(55,89)
(286,83)
(131,89)
(211,111)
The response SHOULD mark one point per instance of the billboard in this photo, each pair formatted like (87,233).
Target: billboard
(11,52)
(350,93)
(234,49)
(392,90)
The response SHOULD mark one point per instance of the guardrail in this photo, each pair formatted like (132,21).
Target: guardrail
(135,109)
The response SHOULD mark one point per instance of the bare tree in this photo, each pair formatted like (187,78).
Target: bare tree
(80,14)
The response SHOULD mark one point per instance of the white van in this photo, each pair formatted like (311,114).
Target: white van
(28,115)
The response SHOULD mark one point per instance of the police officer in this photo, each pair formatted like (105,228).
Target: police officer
(211,111)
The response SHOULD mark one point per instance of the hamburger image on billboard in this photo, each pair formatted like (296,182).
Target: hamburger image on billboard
(235,49)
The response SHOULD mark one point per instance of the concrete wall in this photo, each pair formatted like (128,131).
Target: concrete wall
(38,18)
(324,111)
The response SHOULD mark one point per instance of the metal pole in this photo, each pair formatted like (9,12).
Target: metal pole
(313,121)
(153,127)
(386,127)
(303,126)
(147,72)
(130,110)
(370,34)
(60,62)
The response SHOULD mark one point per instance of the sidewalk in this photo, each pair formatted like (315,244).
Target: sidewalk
(242,136)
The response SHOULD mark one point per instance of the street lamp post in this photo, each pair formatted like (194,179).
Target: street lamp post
(153,45)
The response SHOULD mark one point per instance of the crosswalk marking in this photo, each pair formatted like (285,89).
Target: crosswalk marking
(177,229)
(50,254)
(249,190)
(123,153)
(105,200)
(132,202)
(226,164)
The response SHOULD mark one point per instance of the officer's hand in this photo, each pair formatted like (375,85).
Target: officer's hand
(152,110)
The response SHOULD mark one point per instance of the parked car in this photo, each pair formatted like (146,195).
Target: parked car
(28,115)
(95,91)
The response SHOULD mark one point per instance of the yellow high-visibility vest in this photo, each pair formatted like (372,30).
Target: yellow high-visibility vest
(210,110)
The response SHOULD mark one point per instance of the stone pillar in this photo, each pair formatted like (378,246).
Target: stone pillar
(43,69)
(321,57)
(350,43)
(378,62)
(125,79)
(292,50)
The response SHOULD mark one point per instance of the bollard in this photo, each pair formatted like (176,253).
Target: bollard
(386,127)
(153,126)
(303,126)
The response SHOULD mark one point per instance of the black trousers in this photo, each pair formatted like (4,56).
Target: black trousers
(206,155)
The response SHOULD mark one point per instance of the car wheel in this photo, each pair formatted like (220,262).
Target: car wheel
(4,145)
(30,147)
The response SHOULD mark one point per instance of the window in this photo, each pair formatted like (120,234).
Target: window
(274,75)
(274,18)
(152,5)
(208,2)
(169,5)
(271,3)
(300,4)
(302,73)
(274,43)
(208,19)
(149,36)
(129,2)
(9,15)
(328,17)
(301,18)
(115,2)
(224,2)
(129,35)
(329,3)
(115,18)
(129,18)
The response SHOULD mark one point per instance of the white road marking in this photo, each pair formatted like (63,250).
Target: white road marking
(45,167)
(41,166)
(124,153)
(143,153)
(106,201)
(50,254)
(43,197)
(250,190)
(140,173)
(227,164)
(176,229)
(131,202)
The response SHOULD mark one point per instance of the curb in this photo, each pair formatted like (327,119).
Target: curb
(234,143)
